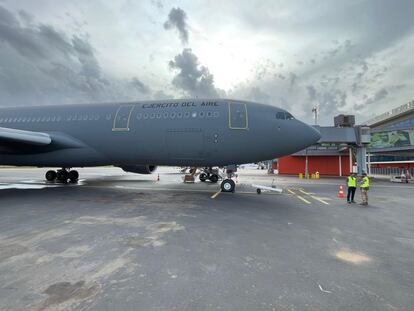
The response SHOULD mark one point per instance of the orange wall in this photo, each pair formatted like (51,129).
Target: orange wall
(325,165)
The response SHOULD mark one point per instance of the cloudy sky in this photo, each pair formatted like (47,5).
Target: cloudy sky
(349,56)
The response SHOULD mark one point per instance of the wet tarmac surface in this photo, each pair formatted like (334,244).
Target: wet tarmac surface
(119,241)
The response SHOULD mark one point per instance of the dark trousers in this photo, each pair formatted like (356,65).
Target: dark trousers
(351,193)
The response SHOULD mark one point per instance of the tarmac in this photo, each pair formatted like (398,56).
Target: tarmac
(119,241)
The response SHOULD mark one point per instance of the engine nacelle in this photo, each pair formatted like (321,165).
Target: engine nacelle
(139,169)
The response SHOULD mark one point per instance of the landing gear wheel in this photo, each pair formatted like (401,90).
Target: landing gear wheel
(214,178)
(62,176)
(50,176)
(73,176)
(228,185)
(203,177)
(259,191)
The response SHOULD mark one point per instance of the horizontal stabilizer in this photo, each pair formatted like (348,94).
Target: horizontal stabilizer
(25,137)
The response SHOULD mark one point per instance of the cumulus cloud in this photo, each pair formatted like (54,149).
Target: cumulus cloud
(177,19)
(140,86)
(42,65)
(191,77)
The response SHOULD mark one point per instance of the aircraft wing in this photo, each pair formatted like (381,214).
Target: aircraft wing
(24,137)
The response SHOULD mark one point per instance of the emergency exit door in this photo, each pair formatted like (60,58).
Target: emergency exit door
(238,119)
(122,118)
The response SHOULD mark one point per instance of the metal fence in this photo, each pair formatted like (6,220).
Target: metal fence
(388,171)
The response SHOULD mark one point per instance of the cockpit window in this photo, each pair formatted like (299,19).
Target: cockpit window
(288,116)
(281,115)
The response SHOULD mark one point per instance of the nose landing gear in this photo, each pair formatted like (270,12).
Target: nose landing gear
(228,185)
(62,176)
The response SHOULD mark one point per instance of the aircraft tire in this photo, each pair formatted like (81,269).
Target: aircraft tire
(62,176)
(50,176)
(228,185)
(203,177)
(259,191)
(73,176)
(213,178)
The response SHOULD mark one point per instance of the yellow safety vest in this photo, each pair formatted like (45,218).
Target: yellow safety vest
(352,181)
(365,182)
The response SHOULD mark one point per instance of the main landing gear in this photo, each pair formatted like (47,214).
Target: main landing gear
(209,174)
(64,175)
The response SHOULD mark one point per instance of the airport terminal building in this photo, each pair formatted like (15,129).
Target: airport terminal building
(389,150)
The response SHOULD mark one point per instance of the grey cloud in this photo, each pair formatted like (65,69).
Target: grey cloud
(311,92)
(177,19)
(161,95)
(256,94)
(292,79)
(140,86)
(41,65)
(379,95)
(192,78)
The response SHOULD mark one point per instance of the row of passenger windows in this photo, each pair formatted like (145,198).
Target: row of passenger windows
(84,117)
(178,115)
(96,117)
(284,116)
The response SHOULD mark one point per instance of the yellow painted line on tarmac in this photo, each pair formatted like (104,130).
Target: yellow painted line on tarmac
(314,197)
(216,194)
(303,199)
(298,196)
(320,200)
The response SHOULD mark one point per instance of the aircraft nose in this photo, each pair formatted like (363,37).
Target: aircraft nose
(306,135)
(313,135)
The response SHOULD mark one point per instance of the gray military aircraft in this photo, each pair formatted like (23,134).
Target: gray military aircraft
(138,136)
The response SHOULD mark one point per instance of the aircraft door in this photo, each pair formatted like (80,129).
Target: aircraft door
(122,118)
(238,119)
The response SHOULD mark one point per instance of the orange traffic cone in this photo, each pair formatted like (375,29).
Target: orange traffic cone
(341,194)
(158,178)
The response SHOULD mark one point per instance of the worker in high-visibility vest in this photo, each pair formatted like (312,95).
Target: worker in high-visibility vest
(351,181)
(364,188)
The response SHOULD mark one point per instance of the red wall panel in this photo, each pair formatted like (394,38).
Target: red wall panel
(325,165)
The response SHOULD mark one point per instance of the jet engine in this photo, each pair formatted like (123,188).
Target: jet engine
(139,169)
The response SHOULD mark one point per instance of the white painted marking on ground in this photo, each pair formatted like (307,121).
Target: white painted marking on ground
(323,290)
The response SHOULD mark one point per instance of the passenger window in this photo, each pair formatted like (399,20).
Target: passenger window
(145,115)
(186,114)
(152,115)
(201,114)
(159,115)
(179,115)
(209,114)
(172,115)
(194,114)
(139,116)
(165,115)
(216,114)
